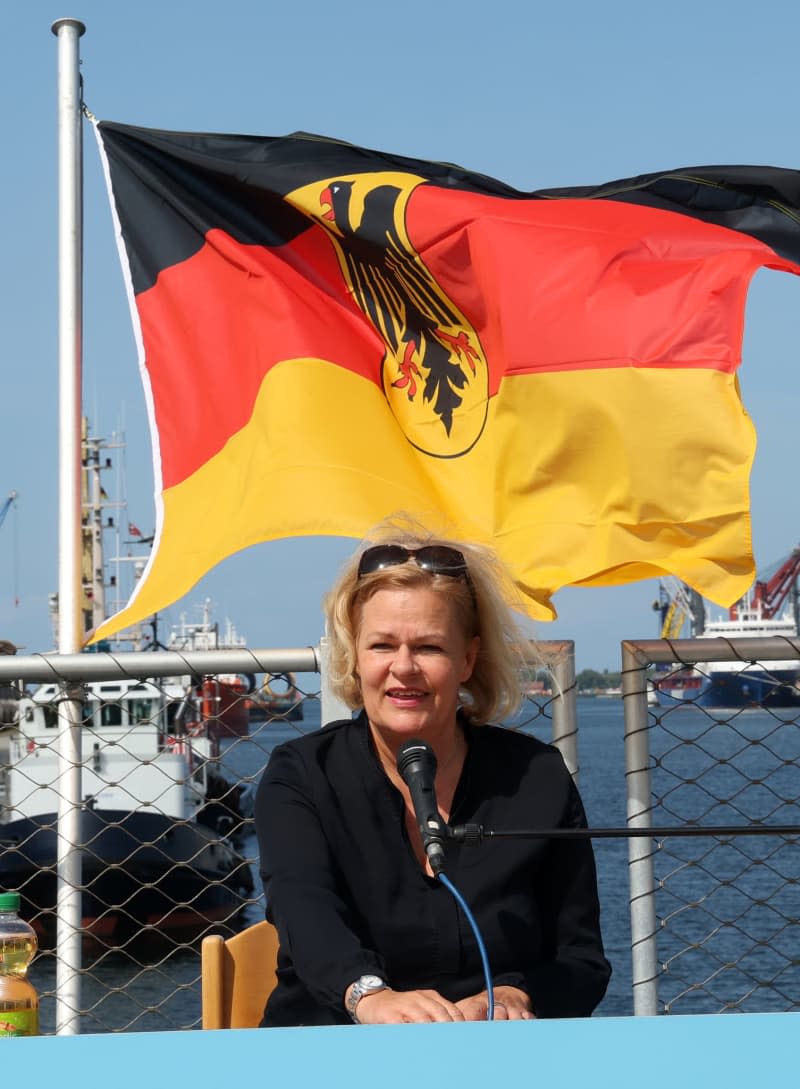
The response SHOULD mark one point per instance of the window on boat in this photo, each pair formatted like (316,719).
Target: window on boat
(142,710)
(50,712)
(110,714)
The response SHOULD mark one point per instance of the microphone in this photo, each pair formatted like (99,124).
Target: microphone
(416,763)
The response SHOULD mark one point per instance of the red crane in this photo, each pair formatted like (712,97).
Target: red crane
(769,594)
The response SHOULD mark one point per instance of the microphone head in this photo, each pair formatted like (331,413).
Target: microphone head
(415,754)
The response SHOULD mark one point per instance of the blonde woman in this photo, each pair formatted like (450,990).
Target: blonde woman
(424,646)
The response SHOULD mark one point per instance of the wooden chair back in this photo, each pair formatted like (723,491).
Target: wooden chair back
(237,976)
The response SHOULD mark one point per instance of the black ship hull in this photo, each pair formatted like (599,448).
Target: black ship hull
(145,877)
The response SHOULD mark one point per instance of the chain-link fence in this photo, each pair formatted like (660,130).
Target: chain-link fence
(164,831)
(172,747)
(713,751)
(164,851)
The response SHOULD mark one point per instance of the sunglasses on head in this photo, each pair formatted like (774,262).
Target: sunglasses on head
(437,559)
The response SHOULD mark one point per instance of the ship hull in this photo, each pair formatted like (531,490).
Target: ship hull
(287,710)
(726,690)
(146,877)
(750,689)
(225,708)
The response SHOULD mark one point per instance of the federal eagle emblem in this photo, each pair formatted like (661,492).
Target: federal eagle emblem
(434,373)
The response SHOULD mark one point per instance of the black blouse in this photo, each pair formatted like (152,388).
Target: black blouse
(349,897)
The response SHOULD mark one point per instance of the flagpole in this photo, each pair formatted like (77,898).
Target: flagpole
(70,353)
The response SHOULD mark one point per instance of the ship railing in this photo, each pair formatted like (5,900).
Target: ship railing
(146,975)
(687,943)
(713,794)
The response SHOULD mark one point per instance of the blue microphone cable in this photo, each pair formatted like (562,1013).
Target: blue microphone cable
(462,903)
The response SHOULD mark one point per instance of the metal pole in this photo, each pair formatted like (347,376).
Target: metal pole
(70,305)
(640,850)
(332,708)
(565,715)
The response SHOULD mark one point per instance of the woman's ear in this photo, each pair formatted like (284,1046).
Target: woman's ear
(473,647)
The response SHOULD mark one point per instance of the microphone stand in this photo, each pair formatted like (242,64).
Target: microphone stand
(476,833)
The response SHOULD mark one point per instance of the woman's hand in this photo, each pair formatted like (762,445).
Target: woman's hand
(510,1004)
(390,1007)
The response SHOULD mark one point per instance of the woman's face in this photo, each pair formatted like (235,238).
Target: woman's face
(412,656)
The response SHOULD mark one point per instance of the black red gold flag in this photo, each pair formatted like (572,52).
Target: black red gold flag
(329,334)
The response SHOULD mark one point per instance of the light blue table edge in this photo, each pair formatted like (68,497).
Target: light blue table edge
(757,1051)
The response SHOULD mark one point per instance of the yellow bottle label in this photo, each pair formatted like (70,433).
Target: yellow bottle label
(19,1023)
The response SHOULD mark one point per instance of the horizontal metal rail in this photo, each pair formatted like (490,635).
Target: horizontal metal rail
(691,651)
(159,663)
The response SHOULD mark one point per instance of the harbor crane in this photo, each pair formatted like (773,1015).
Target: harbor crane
(678,603)
(771,590)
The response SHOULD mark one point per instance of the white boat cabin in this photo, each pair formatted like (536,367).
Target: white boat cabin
(141,749)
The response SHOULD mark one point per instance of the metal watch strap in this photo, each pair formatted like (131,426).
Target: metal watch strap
(364,985)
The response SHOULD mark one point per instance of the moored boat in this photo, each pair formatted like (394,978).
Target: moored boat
(158,818)
(768,611)
(153,859)
(224,698)
(278,697)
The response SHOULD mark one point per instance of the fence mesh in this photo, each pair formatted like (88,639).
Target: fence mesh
(166,834)
(727,906)
(169,852)
(166,831)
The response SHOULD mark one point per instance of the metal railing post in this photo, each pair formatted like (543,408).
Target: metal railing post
(332,708)
(565,714)
(640,850)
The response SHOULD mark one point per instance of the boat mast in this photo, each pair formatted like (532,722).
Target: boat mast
(93,552)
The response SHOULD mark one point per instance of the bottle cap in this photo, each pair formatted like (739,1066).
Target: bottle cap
(9,901)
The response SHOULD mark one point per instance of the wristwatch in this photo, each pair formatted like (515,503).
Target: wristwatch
(363,985)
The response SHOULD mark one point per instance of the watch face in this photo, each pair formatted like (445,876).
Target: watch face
(363,985)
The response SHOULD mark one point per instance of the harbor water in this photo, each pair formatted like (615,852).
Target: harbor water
(168,995)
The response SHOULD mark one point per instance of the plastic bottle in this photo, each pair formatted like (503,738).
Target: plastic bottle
(19,1002)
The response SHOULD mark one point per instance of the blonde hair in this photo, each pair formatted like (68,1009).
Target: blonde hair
(483,607)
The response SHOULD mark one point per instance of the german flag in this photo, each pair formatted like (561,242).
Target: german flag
(330,334)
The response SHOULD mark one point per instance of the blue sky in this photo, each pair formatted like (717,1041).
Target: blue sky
(536,94)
